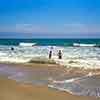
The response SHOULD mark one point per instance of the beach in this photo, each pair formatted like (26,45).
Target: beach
(12,90)
(19,90)
(49,49)
(76,75)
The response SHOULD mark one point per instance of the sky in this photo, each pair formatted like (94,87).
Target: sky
(49,18)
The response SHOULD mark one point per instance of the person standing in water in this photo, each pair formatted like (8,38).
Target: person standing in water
(59,54)
(50,53)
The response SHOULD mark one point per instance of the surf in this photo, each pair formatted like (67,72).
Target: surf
(84,45)
(27,44)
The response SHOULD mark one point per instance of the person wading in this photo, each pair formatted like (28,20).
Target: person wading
(59,54)
(50,54)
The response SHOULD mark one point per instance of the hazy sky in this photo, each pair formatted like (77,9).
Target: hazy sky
(50,18)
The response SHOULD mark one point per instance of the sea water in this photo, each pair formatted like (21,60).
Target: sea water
(72,57)
(84,57)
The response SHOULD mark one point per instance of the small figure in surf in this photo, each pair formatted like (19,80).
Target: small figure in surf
(59,54)
(12,48)
(50,53)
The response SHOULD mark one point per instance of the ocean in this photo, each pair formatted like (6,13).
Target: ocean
(84,58)
(46,42)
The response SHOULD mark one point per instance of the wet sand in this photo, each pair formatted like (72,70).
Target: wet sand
(11,90)
(55,69)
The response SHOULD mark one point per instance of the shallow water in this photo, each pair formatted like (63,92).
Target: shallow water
(82,57)
(84,86)
(24,75)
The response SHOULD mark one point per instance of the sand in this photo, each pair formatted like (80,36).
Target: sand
(11,90)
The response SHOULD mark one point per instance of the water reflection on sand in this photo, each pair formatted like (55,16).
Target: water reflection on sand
(80,85)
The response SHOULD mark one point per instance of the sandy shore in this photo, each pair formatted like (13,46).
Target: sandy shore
(10,90)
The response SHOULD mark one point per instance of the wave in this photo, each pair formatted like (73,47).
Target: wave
(41,60)
(84,86)
(87,58)
(84,45)
(27,44)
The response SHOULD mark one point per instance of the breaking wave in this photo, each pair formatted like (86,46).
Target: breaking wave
(82,57)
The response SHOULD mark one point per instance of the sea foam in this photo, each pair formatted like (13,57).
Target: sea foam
(82,57)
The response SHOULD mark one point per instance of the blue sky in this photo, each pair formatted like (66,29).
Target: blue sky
(50,18)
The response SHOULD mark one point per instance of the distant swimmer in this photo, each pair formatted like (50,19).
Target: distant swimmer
(12,48)
(59,54)
(50,54)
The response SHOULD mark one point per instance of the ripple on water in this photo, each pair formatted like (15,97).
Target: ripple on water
(88,86)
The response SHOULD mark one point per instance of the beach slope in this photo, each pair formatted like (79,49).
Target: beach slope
(10,90)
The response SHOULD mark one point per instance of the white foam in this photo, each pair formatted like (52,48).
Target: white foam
(27,44)
(76,89)
(83,45)
(80,63)
(72,57)
(2,54)
(65,81)
(61,89)
(13,60)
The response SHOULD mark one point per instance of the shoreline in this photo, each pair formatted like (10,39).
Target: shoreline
(9,89)
(75,70)
(50,69)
